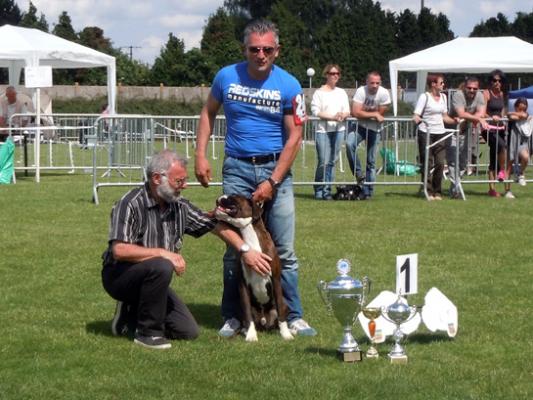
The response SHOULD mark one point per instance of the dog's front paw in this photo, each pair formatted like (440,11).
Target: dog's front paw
(284,331)
(251,334)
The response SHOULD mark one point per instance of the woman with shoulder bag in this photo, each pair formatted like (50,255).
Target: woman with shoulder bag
(431,112)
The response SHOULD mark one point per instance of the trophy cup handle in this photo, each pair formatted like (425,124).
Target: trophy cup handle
(322,291)
(367,284)
(414,310)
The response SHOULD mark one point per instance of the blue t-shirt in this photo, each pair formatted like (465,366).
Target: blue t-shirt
(254,109)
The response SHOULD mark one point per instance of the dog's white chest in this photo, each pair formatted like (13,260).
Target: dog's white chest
(257,283)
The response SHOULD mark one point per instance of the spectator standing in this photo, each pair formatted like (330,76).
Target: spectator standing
(495,100)
(520,131)
(330,103)
(468,105)
(431,112)
(370,102)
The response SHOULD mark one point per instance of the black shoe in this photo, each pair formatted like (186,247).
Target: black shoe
(152,342)
(119,325)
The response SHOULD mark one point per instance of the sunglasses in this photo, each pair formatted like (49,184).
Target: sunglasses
(473,89)
(496,80)
(334,73)
(267,51)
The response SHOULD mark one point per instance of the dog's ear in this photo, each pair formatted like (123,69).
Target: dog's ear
(257,210)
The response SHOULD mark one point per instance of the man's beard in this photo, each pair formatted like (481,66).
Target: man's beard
(165,191)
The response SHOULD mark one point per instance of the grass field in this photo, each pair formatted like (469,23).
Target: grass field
(56,343)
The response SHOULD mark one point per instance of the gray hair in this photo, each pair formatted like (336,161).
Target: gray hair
(261,27)
(162,161)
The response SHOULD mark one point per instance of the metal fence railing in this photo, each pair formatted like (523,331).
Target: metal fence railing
(62,141)
(115,149)
(396,152)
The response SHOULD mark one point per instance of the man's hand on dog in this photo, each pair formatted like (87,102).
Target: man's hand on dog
(257,261)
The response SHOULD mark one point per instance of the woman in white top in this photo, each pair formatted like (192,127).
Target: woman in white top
(431,112)
(331,105)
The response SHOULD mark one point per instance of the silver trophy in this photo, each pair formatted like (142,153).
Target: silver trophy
(398,313)
(345,297)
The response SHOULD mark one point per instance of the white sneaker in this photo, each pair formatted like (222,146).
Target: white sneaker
(231,328)
(301,328)
(509,195)
(522,180)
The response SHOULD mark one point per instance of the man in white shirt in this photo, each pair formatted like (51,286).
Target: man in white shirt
(10,105)
(369,105)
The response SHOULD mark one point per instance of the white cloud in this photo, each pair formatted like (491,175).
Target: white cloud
(181,21)
(147,23)
(490,8)
(200,7)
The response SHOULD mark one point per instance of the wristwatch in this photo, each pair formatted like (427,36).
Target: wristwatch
(275,184)
(245,247)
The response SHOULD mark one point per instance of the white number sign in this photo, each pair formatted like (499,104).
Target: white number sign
(407,274)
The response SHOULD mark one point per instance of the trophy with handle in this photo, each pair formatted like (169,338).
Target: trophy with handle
(344,297)
(398,313)
(372,313)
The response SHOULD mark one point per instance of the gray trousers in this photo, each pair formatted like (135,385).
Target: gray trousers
(455,172)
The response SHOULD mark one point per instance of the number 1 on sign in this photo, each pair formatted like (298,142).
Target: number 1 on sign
(407,274)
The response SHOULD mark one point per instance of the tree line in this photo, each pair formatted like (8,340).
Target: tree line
(356,34)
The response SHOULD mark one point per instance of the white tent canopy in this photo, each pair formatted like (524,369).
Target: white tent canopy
(23,47)
(469,55)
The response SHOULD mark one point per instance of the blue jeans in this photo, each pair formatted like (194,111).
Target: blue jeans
(372,139)
(328,145)
(241,177)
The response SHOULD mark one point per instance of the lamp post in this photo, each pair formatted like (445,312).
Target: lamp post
(310,74)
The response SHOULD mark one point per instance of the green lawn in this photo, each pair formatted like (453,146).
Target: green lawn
(55,334)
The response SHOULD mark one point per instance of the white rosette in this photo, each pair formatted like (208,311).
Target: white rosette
(439,313)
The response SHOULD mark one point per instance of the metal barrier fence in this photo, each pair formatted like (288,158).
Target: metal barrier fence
(178,133)
(62,143)
(115,149)
(123,144)
(397,159)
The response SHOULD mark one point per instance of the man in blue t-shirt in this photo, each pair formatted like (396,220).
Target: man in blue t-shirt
(265,111)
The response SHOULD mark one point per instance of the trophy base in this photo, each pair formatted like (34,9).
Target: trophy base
(353,356)
(371,354)
(402,359)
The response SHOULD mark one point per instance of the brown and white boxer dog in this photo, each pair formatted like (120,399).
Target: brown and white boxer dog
(261,296)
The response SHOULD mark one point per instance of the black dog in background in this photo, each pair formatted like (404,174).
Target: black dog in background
(349,192)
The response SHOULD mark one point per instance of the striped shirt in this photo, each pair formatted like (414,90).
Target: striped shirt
(136,218)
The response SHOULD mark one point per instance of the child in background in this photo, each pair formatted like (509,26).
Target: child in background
(520,129)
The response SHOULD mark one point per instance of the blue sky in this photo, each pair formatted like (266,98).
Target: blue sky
(147,23)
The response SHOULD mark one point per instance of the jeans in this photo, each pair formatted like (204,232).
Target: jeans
(372,139)
(241,177)
(328,145)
